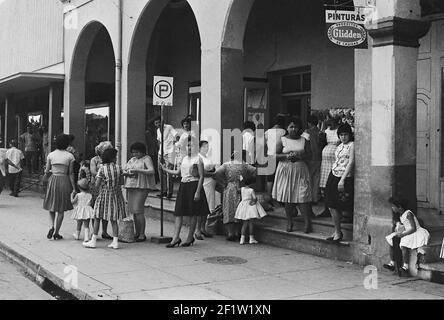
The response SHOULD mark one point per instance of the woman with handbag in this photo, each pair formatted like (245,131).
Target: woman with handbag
(139,179)
(191,200)
(229,175)
(209,186)
(340,183)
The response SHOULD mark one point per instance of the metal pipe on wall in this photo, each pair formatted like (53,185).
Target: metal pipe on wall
(119,83)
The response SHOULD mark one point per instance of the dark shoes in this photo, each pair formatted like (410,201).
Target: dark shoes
(188,244)
(199,237)
(173,244)
(141,239)
(50,233)
(337,240)
(58,237)
(106,236)
(389,267)
(232,238)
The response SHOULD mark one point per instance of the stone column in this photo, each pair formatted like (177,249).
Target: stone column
(392,124)
(74,112)
(55,108)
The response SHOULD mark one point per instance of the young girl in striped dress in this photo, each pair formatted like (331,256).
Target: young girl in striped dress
(110,204)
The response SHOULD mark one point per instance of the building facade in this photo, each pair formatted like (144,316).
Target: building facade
(87,67)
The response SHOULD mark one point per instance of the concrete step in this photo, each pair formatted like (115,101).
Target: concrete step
(313,243)
(322,226)
(433,272)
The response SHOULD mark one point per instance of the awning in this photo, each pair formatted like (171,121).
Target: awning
(27,81)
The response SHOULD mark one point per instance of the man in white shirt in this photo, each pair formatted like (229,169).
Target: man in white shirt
(170,135)
(248,141)
(15,156)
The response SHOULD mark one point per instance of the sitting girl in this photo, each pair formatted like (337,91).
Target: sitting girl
(411,235)
(249,210)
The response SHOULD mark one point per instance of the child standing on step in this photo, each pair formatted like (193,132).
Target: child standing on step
(109,205)
(411,235)
(83,212)
(248,210)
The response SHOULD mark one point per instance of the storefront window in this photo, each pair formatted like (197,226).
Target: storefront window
(296,83)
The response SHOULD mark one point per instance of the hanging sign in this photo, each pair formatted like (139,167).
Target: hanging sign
(163,91)
(347,28)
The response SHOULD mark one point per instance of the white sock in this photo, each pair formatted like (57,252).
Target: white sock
(242,240)
(115,243)
(92,243)
(391,263)
(253,240)
(405,266)
(86,235)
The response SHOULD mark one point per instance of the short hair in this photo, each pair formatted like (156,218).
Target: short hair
(249,180)
(138,146)
(186,120)
(71,138)
(399,202)
(345,128)
(62,142)
(279,120)
(249,125)
(109,156)
(202,143)
(13,143)
(298,123)
(159,118)
(313,119)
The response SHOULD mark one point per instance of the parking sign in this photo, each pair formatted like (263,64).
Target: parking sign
(163,91)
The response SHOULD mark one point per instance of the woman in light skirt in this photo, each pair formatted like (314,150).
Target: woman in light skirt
(60,165)
(292,184)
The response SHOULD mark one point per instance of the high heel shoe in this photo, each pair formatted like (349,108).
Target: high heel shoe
(188,244)
(173,244)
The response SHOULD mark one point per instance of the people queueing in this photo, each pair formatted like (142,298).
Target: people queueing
(273,140)
(228,175)
(328,156)
(191,199)
(340,184)
(312,134)
(15,171)
(209,186)
(138,181)
(249,210)
(83,212)
(95,165)
(110,204)
(292,185)
(30,141)
(170,135)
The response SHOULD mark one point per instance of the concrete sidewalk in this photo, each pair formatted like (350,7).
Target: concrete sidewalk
(150,271)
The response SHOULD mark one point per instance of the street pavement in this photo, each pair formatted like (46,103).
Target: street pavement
(15,286)
(147,271)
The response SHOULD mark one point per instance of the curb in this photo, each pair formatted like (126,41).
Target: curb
(38,273)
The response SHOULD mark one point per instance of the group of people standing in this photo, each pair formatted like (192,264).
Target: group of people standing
(311,161)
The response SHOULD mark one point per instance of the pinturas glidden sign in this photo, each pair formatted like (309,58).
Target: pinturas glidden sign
(346,28)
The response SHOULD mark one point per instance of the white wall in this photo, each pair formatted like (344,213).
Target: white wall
(31,35)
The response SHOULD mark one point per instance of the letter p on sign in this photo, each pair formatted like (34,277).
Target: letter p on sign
(163,91)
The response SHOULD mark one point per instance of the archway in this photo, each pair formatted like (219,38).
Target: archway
(92,89)
(166,42)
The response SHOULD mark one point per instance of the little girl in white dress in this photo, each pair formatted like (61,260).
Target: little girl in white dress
(83,212)
(412,235)
(248,210)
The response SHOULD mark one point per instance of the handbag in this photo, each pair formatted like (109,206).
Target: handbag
(215,221)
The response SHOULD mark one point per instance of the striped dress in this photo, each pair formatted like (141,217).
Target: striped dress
(110,205)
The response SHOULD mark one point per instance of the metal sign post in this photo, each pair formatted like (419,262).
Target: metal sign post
(162,96)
